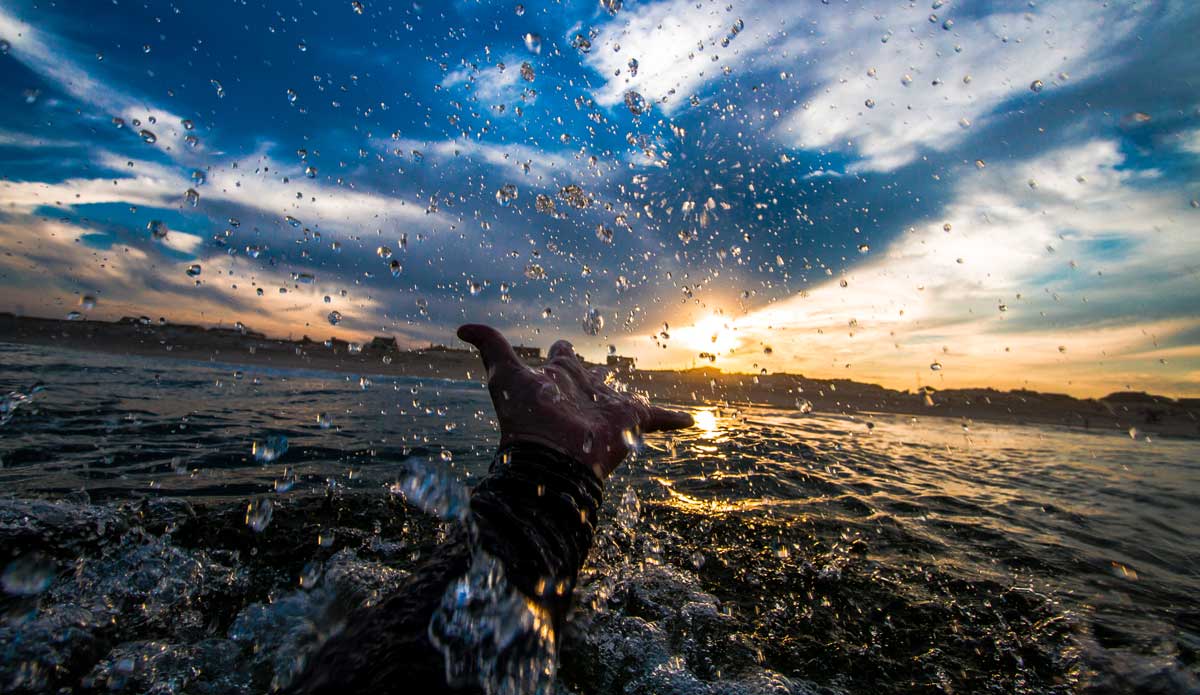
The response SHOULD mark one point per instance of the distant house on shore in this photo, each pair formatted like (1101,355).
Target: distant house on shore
(135,321)
(383,344)
(621,362)
(234,332)
(442,348)
(529,353)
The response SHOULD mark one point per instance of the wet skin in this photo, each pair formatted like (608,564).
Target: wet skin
(564,404)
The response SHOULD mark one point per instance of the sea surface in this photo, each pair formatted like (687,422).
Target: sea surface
(157,535)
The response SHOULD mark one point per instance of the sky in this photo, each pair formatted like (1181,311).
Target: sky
(942,193)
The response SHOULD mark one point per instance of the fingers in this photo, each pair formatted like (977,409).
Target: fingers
(493,347)
(663,419)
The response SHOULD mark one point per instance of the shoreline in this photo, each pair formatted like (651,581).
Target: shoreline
(1134,414)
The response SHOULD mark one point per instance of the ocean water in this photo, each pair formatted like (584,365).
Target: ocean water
(157,535)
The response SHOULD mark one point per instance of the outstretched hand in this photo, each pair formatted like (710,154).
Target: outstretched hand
(565,405)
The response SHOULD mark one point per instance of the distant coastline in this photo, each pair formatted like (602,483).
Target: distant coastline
(1136,413)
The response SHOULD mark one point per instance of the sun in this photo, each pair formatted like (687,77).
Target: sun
(714,334)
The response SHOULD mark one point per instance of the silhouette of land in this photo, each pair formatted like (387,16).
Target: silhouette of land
(1136,413)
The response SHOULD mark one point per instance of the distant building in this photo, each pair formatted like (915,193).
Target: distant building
(621,362)
(529,353)
(382,344)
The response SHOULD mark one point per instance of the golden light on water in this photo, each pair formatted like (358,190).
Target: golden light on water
(706,423)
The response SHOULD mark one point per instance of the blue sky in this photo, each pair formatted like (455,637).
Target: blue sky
(725,177)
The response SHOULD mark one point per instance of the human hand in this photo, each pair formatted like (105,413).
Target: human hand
(563,404)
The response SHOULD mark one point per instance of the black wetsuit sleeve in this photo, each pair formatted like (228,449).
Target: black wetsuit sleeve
(535,512)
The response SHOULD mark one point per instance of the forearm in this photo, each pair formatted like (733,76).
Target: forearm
(535,512)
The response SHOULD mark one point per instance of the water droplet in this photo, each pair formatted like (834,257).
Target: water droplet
(593,322)
(395,268)
(546,313)
(310,172)
(1036,86)
(74,316)
(193,270)
(611,6)
(864,248)
(258,514)
(633,67)
(636,103)
(869,103)
(604,233)
(334,317)
(28,575)
(158,229)
(292,96)
(520,10)
(533,43)
(148,137)
(527,72)
(5,47)
(324,420)
(506,194)
(285,483)
(804,406)
(533,271)
(357,7)
(270,448)
(191,196)
(291,221)
(629,510)
(936,366)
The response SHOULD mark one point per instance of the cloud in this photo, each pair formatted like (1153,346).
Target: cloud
(48,269)
(677,44)
(910,85)
(1072,250)
(927,82)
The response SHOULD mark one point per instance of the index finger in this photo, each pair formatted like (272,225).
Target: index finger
(663,419)
(493,347)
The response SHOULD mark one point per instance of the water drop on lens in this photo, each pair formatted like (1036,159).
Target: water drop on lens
(258,514)
(193,270)
(593,322)
(28,575)
(506,194)
(269,449)
(334,317)
(148,137)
